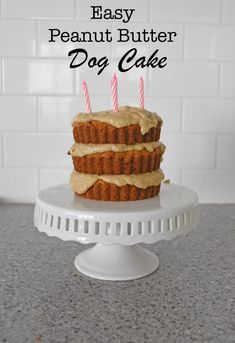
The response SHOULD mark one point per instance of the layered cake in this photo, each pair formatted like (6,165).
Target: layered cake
(117,155)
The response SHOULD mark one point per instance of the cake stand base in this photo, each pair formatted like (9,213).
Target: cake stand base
(116,228)
(116,262)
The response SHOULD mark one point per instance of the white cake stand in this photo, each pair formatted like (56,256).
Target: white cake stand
(116,228)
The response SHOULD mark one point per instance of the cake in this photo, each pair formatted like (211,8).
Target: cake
(117,155)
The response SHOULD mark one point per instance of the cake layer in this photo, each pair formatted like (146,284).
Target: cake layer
(81,182)
(129,162)
(125,116)
(105,191)
(117,155)
(80,150)
(96,132)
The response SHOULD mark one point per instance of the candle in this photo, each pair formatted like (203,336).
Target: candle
(114,93)
(87,98)
(141,92)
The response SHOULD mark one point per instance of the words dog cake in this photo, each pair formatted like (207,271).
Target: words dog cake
(117,155)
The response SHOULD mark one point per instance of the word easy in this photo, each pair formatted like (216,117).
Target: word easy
(119,13)
(128,61)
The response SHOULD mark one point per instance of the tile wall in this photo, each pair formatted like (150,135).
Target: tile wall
(194,94)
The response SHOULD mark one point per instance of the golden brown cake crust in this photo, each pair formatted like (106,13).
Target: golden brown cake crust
(96,132)
(114,163)
(105,191)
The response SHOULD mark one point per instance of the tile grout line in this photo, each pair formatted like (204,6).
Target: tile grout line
(220,81)
(37,39)
(105,96)
(3,154)
(75,77)
(2,74)
(26,168)
(184,43)
(147,87)
(227,169)
(190,97)
(37,114)
(181,115)
(39,181)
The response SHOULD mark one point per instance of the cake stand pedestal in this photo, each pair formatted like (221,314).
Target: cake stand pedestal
(116,228)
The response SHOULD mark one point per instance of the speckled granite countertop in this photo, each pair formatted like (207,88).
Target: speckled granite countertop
(190,298)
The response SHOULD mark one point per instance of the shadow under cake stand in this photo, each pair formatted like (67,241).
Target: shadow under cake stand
(116,228)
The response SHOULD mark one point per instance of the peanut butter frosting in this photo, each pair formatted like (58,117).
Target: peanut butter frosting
(125,116)
(80,182)
(80,150)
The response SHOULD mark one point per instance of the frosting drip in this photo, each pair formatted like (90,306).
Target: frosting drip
(80,150)
(125,116)
(80,182)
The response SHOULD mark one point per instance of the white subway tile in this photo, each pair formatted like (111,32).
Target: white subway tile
(216,186)
(228,11)
(38,9)
(97,84)
(228,80)
(37,76)
(85,12)
(1,150)
(209,42)
(97,103)
(61,49)
(226,151)
(172,174)
(188,151)
(53,177)
(18,113)
(185,79)
(101,84)
(56,113)
(37,150)
(127,100)
(17,38)
(18,185)
(173,50)
(189,11)
(209,115)
(169,110)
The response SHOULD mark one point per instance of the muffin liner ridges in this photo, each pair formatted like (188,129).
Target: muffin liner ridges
(105,191)
(114,163)
(102,133)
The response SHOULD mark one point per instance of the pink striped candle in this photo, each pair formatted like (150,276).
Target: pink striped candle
(114,93)
(87,98)
(141,92)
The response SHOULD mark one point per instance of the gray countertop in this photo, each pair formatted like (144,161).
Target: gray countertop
(190,298)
